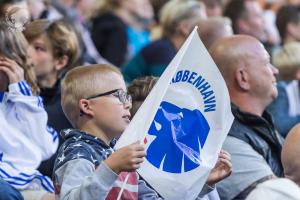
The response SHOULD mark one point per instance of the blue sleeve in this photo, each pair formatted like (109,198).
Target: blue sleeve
(279,110)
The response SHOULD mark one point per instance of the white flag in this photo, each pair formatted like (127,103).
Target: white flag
(183,122)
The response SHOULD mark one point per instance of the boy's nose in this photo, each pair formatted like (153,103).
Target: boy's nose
(128,105)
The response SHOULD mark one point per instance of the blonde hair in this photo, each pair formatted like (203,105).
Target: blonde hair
(62,37)
(80,83)
(175,11)
(287,60)
(106,6)
(14,46)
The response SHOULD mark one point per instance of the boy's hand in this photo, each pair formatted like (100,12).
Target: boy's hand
(13,71)
(127,158)
(222,169)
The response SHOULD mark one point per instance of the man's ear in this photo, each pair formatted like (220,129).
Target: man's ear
(61,62)
(242,78)
(85,107)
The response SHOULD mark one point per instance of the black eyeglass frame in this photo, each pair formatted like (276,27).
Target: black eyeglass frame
(128,98)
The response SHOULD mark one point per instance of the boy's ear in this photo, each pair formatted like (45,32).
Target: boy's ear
(85,108)
(61,62)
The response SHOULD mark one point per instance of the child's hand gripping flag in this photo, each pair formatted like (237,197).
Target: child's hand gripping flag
(183,122)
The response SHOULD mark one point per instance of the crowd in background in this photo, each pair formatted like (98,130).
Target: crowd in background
(255,44)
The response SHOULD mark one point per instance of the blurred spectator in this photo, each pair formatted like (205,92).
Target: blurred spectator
(155,28)
(53,51)
(42,9)
(119,30)
(275,189)
(270,11)
(25,139)
(157,5)
(247,18)
(177,19)
(253,143)
(288,23)
(286,107)
(213,29)
(78,13)
(290,155)
(213,7)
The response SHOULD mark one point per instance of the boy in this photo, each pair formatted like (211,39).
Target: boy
(95,101)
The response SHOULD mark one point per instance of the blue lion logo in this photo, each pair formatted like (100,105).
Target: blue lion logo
(179,135)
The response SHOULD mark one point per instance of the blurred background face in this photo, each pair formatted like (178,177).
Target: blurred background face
(254,20)
(41,56)
(198,15)
(140,8)
(214,11)
(213,7)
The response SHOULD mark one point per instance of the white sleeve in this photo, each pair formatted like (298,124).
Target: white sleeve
(33,118)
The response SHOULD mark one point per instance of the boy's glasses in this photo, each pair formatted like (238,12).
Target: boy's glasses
(119,93)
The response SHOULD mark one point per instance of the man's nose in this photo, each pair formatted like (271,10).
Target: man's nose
(274,70)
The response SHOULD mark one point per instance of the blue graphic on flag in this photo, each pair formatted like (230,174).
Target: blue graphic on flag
(179,135)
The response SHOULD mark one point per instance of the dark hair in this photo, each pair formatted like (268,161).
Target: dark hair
(285,15)
(236,10)
(157,5)
(139,90)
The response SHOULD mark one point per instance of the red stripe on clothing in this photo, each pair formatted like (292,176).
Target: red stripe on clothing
(126,195)
(132,179)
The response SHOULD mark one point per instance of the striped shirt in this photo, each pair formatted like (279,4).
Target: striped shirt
(25,138)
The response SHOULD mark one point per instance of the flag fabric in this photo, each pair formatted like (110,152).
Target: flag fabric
(183,123)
